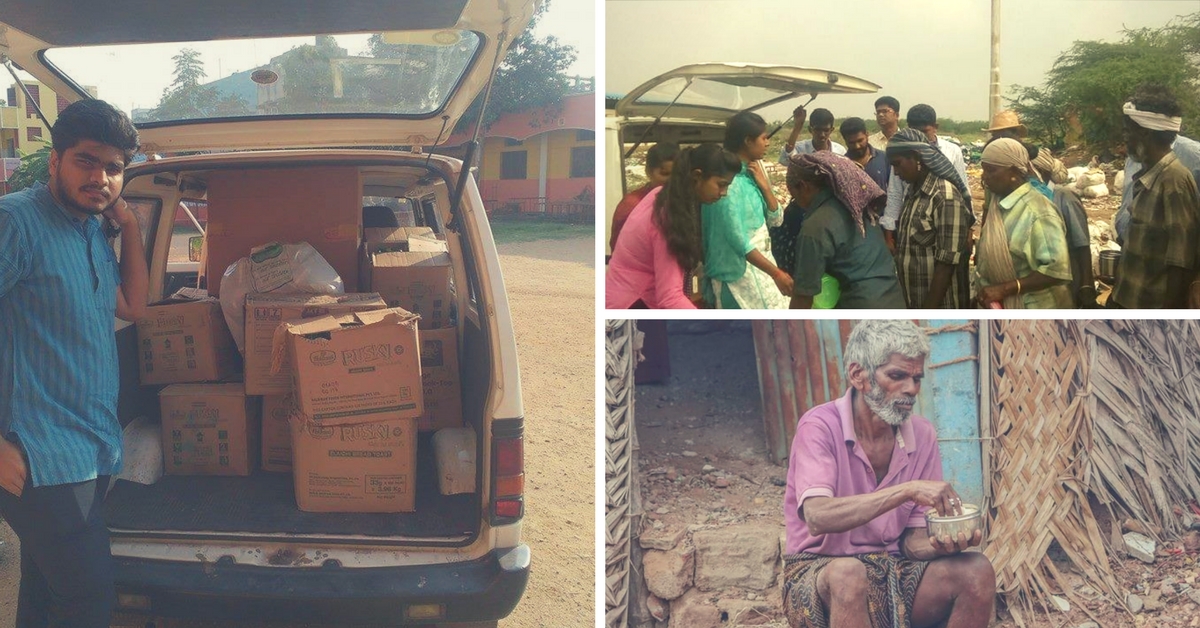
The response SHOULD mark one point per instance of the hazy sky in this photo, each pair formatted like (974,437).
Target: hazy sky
(932,51)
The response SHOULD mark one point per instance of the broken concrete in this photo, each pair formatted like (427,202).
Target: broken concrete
(661,538)
(694,611)
(737,556)
(668,574)
(1139,546)
(745,612)
(659,609)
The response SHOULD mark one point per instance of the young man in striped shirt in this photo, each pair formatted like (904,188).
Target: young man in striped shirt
(60,288)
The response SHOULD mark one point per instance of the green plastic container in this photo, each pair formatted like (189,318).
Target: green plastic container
(831,291)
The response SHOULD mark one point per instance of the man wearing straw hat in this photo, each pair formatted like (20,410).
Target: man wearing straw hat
(1159,258)
(1007,124)
(863,471)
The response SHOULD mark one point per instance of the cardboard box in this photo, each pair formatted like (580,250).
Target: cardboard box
(185,340)
(416,281)
(264,313)
(321,205)
(276,433)
(439,374)
(395,240)
(368,467)
(381,239)
(209,429)
(358,368)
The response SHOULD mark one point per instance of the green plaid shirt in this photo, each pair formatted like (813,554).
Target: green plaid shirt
(934,226)
(1164,231)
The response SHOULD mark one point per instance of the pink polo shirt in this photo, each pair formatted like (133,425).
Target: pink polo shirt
(827,461)
(642,267)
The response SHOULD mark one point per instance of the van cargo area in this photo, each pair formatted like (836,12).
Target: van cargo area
(264,504)
(287,197)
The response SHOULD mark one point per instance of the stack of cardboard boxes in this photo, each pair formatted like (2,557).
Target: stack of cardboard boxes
(357,390)
(411,269)
(208,428)
(333,386)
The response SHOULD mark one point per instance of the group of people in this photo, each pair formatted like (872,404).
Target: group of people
(887,219)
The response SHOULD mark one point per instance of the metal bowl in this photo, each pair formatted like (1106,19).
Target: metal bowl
(967,523)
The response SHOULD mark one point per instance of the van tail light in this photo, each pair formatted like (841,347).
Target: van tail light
(508,478)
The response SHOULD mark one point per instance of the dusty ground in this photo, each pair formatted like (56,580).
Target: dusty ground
(551,292)
(704,464)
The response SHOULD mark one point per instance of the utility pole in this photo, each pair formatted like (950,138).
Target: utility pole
(994,94)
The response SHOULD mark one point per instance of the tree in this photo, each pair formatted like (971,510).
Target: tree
(531,76)
(186,98)
(1092,79)
(34,168)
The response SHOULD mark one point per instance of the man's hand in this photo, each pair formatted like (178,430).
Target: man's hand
(120,213)
(937,495)
(799,114)
(13,469)
(945,546)
(992,294)
(784,282)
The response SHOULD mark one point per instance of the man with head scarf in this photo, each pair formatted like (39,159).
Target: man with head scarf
(1159,257)
(923,118)
(932,237)
(839,235)
(1022,259)
(862,473)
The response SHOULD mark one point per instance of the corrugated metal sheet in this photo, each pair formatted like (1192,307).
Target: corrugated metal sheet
(800,365)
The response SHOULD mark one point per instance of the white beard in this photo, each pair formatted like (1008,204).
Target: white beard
(890,413)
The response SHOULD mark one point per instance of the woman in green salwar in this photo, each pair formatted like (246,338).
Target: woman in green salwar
(739,270)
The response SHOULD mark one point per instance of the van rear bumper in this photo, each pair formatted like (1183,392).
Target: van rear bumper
(486,589)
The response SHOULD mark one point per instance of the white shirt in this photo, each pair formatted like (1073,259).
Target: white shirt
(897,188)
(806,148)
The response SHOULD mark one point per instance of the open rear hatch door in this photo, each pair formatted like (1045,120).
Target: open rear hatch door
(309,73)
(712,92)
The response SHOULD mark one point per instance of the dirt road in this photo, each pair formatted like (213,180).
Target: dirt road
(551,291)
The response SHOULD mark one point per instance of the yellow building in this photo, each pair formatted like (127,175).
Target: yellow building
(541,161)
(21,130)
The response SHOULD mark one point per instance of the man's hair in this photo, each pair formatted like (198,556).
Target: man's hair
(889,101)
(1157,98)
(94,120)
(872,343)
(661,153)
(921,116)
(741,127)
(852,126)
(820,117)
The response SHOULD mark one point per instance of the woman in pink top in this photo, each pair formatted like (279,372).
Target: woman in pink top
(660,241)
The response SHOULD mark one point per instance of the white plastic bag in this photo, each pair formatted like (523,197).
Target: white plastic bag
(1119,182)
(274,267)
(1090,179)
(1095,191)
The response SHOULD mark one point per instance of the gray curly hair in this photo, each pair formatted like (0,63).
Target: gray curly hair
(872,342)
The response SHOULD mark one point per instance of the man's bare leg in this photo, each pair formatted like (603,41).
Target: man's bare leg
(842,585)
(956,592)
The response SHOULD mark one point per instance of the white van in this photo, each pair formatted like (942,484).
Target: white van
(690,104)
(358,86)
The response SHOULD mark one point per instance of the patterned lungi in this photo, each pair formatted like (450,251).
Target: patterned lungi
(891,587)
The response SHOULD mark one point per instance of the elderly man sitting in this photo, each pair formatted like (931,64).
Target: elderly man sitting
(861,476)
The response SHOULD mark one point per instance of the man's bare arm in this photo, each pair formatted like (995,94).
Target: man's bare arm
(830,515)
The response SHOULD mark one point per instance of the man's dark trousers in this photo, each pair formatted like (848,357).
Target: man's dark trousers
(66,561)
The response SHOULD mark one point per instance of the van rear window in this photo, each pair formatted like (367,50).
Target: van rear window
(404,73)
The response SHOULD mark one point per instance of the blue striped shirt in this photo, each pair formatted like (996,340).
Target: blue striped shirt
(58,354)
